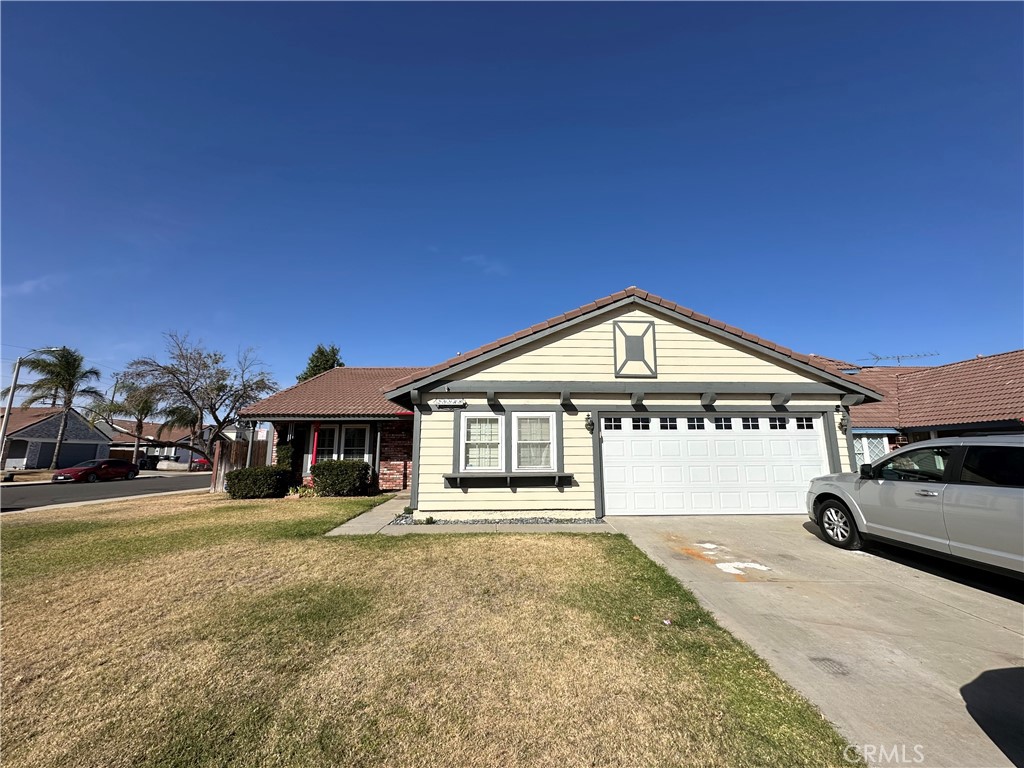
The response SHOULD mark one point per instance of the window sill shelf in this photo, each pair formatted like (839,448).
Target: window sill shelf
(509,479)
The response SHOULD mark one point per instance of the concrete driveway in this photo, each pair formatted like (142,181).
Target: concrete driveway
(917,661)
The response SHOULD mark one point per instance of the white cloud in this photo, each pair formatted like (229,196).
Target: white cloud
(486,265)
(31,286)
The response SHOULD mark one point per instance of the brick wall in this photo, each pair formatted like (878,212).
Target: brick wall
(395,454)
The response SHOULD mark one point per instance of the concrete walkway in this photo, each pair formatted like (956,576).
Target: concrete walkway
(378,520)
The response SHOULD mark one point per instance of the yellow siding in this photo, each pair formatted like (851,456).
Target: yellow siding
(585,353)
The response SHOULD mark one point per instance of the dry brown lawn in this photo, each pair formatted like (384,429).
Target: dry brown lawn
(33,476)
(188,631)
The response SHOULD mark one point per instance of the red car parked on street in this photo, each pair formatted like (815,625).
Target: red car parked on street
(95,470)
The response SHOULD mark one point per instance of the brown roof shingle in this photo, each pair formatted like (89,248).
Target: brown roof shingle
(973,391)
(338,392)
(811,360)
(26,417)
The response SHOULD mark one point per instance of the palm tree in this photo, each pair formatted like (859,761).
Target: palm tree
(139,403)
(62,377)
(185,417)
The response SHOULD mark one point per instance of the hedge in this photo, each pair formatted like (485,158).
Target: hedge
(258,483)
(341,478)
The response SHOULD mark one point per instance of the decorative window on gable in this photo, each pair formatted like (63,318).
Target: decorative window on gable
(634,349)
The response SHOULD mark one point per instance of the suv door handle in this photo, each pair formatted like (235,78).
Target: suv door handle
(926,493)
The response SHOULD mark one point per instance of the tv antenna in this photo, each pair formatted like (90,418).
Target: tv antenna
(899,358)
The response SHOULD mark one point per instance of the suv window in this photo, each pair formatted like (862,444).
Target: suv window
(993,465)
(921,465)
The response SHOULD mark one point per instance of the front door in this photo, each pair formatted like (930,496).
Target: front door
(904,499)
(355,443)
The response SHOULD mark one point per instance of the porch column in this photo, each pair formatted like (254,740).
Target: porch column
(316,435)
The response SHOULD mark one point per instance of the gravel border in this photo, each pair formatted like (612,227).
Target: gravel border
(407,520)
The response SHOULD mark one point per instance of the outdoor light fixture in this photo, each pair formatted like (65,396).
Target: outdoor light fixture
(589,424)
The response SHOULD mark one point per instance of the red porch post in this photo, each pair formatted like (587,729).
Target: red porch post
(316,435)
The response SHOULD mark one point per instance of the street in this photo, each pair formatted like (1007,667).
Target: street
(14,498)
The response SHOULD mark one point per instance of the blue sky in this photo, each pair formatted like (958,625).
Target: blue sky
(410,181)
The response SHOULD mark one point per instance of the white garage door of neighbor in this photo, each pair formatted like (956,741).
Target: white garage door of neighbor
(710,465)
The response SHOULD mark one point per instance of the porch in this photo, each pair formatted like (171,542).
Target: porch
(383,443)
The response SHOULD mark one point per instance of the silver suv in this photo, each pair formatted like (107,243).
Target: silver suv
(958,497)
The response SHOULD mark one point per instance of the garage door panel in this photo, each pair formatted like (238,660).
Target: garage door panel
(671,475)
(697,449)
(664,471)
(753,448)
(728,474)
(699,475)
(670,449)
(756,474)
(643,474)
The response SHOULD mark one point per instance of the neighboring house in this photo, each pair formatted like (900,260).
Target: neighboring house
(32,439)
(122,443)
(981,395)
(628,405)
(343,414)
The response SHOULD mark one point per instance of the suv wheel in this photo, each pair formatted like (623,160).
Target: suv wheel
(837,525)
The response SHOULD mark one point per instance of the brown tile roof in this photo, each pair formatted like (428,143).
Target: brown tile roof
(882,378)
(979,390)
(148,430)
(969,392)
(632,291)
(338,392)
(26,417)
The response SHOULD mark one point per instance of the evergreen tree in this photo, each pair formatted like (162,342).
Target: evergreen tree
(323,359)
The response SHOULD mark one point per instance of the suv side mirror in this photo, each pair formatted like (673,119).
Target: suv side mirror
(867,472)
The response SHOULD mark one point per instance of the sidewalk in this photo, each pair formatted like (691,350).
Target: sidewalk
(378,520)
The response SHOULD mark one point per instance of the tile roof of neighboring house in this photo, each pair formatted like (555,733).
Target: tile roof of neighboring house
(969,392)
(882,378)
(632,291)
(339,392)
(26,417)
(983,389)
(148,430)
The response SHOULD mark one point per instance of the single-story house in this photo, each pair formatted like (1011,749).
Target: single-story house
(628,405)
(981,395)
(343,414)
(32,438)
(122,444)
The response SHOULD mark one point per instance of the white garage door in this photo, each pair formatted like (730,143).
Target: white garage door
(710,465)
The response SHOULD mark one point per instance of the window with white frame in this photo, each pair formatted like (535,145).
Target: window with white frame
(869,449)
(533,438)
(694,423)
(669,423)
(750,423)
(612,422)
(642,422)
(776,422)
(723,423)
(481,443)
(326,439)
(804,422)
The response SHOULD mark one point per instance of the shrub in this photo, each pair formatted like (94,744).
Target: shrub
(341,478)
(284,455)
(258,483)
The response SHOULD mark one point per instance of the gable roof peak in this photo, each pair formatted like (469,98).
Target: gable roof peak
(606,303)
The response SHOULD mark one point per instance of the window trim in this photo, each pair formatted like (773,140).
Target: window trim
(339,451)
(461,463)
(553,439)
